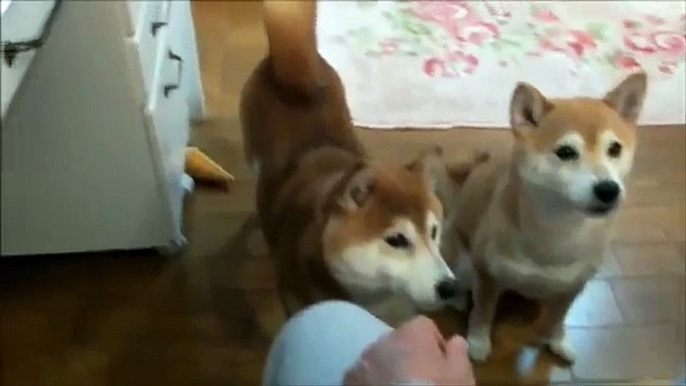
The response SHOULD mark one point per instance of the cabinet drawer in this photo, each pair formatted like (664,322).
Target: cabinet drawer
(168,125)
(23,21)
(145,45)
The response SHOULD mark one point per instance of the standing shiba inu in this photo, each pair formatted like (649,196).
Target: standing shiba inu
(338,224)
(539,222)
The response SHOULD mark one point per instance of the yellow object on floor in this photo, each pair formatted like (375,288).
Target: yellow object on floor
(201,168)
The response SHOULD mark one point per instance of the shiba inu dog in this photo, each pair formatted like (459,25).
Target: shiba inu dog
(339,224)
(538,222)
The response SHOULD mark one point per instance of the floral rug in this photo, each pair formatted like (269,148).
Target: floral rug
(440,64)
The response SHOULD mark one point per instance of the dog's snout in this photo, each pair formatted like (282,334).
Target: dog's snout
(606,192)
(446,289)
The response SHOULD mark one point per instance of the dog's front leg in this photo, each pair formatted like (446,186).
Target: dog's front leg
(557,311)
(485,294)
(464,275)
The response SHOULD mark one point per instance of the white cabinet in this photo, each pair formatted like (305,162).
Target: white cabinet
(93,141)
(21,21)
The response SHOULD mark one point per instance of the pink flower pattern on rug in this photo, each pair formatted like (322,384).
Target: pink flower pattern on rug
(453,37)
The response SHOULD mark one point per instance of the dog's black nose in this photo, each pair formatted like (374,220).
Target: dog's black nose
(606,191)
(446,289)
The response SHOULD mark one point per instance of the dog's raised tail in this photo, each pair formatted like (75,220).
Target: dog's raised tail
(291,32)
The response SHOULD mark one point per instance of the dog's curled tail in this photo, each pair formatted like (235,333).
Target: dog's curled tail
(291,32)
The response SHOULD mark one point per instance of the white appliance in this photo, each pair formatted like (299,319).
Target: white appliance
(94,132)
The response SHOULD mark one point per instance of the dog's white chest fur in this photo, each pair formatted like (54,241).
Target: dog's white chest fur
(542,267)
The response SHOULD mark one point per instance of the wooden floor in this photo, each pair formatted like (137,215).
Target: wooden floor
(207,317)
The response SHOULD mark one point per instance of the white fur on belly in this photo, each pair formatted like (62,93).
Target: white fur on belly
(537,281)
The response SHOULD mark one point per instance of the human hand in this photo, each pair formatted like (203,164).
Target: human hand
(415,353)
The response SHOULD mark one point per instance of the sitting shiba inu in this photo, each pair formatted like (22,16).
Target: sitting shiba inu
(338,224)
(538,222)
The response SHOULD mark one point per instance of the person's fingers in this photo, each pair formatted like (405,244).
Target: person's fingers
(421,330)
(457,347)
(388,351)
(458,364)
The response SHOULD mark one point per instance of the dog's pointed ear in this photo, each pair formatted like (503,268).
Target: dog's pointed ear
(460,171)
(358,188)
(528,106)
(348,193)
(426,159)
(430,164)
(627,98)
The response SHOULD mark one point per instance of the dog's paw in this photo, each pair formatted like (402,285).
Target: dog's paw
(479,347)
(560,348)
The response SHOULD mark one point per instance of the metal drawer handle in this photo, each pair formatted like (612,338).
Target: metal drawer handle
(156,25)
(168,88)
(11,49)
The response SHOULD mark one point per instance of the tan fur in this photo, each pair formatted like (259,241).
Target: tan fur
(290,28)
(318,195)
(584,115)
(523,219)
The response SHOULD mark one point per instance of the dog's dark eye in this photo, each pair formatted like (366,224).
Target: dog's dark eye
(615,150)
(398,240)
(566,153)
(434,232)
